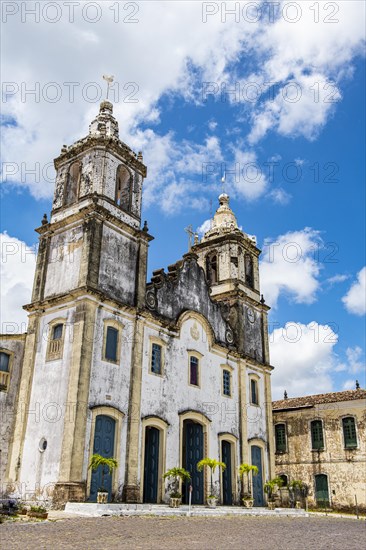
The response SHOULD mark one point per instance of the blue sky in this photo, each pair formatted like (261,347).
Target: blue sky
(311,207)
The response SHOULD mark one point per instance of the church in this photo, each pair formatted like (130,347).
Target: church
(156,375)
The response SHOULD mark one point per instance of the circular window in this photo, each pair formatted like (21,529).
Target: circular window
(42,445)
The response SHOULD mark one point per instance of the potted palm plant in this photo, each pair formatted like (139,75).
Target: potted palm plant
(271,487)
(39,512)
(176,475)
(247,470)
(211,463)
(108,464)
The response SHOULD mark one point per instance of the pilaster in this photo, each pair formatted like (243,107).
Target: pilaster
(73,443)
(132,489)
(25,390)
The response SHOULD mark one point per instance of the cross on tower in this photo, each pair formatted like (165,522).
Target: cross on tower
(190,232)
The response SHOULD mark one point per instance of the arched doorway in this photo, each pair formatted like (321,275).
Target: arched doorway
(151,464)
(257,481)
(104,436)
(227,475)
(193,439)
(321,490)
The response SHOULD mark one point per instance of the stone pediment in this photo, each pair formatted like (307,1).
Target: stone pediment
(185,288)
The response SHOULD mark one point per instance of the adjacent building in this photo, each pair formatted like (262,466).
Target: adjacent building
(321,441)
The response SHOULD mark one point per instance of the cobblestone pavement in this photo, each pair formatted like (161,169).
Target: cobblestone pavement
(136,533)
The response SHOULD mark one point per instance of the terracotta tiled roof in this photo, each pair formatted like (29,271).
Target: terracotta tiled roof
(310,400)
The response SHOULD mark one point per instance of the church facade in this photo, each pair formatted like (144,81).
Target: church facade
(156,375)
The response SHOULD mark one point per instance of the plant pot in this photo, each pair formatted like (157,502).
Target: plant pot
(102,497)
(212,502)
(39,515)
(174,502)
(248,502)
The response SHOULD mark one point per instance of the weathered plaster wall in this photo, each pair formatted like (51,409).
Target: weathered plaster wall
(345,468)
(64,261)
(8,398)
(170,394)
(48,407)
(110,384)
(187,290)
(118,264)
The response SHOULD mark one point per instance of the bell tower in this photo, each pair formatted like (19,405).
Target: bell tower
(94,241)
(229,258)
(91,265)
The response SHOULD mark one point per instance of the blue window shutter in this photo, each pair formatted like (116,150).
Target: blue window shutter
(4,362)
(194,371)
(226,382)
(254,392)
(111,344)
(156,359)
(57,332)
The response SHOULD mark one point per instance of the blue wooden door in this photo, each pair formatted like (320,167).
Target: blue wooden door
(257,480)
(151,467)
(193,453)
(227,490)
(321,490)
(104,446)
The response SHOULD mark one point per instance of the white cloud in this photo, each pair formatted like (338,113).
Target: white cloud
(289,267)
(355,299)
(201,230)
(17,265)
(349,384)
(307,61)
(249,180)
(177,174)
(212,124)
(160,60)
(303,358)
(338,278)
(306,362)
(280,196)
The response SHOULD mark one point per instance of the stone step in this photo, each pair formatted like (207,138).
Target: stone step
(121,509)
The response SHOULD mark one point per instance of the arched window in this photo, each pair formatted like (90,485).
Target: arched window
(124,188)
(284,478)
(349,432)
(55,341)
(4,370)
(72,183)
(112,339)
(194,366)
(111,345)
(249,279)
(57,331)
(254,397)
(211,269)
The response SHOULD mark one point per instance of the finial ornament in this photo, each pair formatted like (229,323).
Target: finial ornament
(223,183)
(285,395)
(109,80)
(44,219)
